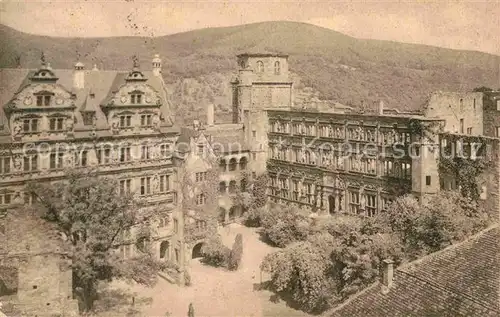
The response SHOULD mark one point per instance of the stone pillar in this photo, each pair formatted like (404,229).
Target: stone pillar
(336,199)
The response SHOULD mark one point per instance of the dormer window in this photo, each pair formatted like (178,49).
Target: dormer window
(135,98)
(277,68)
(260,67)
(43,98)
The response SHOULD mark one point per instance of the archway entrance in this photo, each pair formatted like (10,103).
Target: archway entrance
(197,251)
(165,250)
(331,204)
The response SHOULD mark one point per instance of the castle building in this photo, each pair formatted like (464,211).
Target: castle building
(118,123)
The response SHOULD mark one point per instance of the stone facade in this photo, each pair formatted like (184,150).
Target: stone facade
(491,104)
(462,112)
(116,123)
(35,267)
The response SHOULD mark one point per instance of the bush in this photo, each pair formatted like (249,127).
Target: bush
(236,253)
(253,218)
(215,253)
(187,278)
(284,225)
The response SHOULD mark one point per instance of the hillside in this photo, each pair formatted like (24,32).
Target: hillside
(198,64)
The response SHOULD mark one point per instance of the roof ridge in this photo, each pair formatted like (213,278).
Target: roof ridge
(451,290)
(452,247)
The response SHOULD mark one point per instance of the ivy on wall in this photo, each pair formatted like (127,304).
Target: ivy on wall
(465,168)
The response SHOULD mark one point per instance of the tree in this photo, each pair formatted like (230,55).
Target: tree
(236,253)
(301,271)
(439,221)
(282,225)
(482,89)
(215,253)
(91,214)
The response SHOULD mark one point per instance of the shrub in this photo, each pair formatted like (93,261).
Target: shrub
(187,278)
(253,218)
(284,225)
(236,253)
(215,253)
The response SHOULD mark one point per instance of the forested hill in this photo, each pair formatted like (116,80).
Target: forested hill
(198,64)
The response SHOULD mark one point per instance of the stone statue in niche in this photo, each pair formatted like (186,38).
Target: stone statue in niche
(359,133)
(156,121)
(70,124)
(114,122)
(68,159)
(18,162)
(156,184)
(17,129)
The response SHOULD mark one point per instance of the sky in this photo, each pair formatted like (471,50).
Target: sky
(452,24)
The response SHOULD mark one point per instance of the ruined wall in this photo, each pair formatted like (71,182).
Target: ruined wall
(454,108)
(491,121)
(42,267)
(488,181)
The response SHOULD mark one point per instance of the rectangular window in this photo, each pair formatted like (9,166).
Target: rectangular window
(469,130)
(56,160)
(145,186)
(30,125)
(103,155)
(5,199)
(5,165)
(201,177)
(135,98)
(81,158)
(177,256)
(428,180)
(498,132)
(371,205)
(200,148)
(165,150)
(125,154)
(462,126)
(125,121)
(164,183)
(146,120)
(176,225)
(56,124)
(254,133)
(406,170)
(200,199)
(29,198)
(145,152)
(353,202)
(30,163)
(125,186)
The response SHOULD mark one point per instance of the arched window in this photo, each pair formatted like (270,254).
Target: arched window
(243,163)
(260,67)
(164,249)
(277,69)
(222,187)
(232,164)
(222,165)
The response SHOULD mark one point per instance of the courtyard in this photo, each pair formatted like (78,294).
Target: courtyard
(214,291)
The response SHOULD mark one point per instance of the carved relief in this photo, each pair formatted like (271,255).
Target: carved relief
(339,183)
(18,127)
(70,124)
(18,162)
(156,121)
(156,184)
(115,121)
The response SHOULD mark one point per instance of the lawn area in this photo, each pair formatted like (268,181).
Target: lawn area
(214,291)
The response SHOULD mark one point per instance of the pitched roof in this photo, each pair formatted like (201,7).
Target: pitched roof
(462,280)
(99,85)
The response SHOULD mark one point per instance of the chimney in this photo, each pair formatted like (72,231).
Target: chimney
(79,76)
(387,275)
(210,115)
(156,65)
(381,108)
